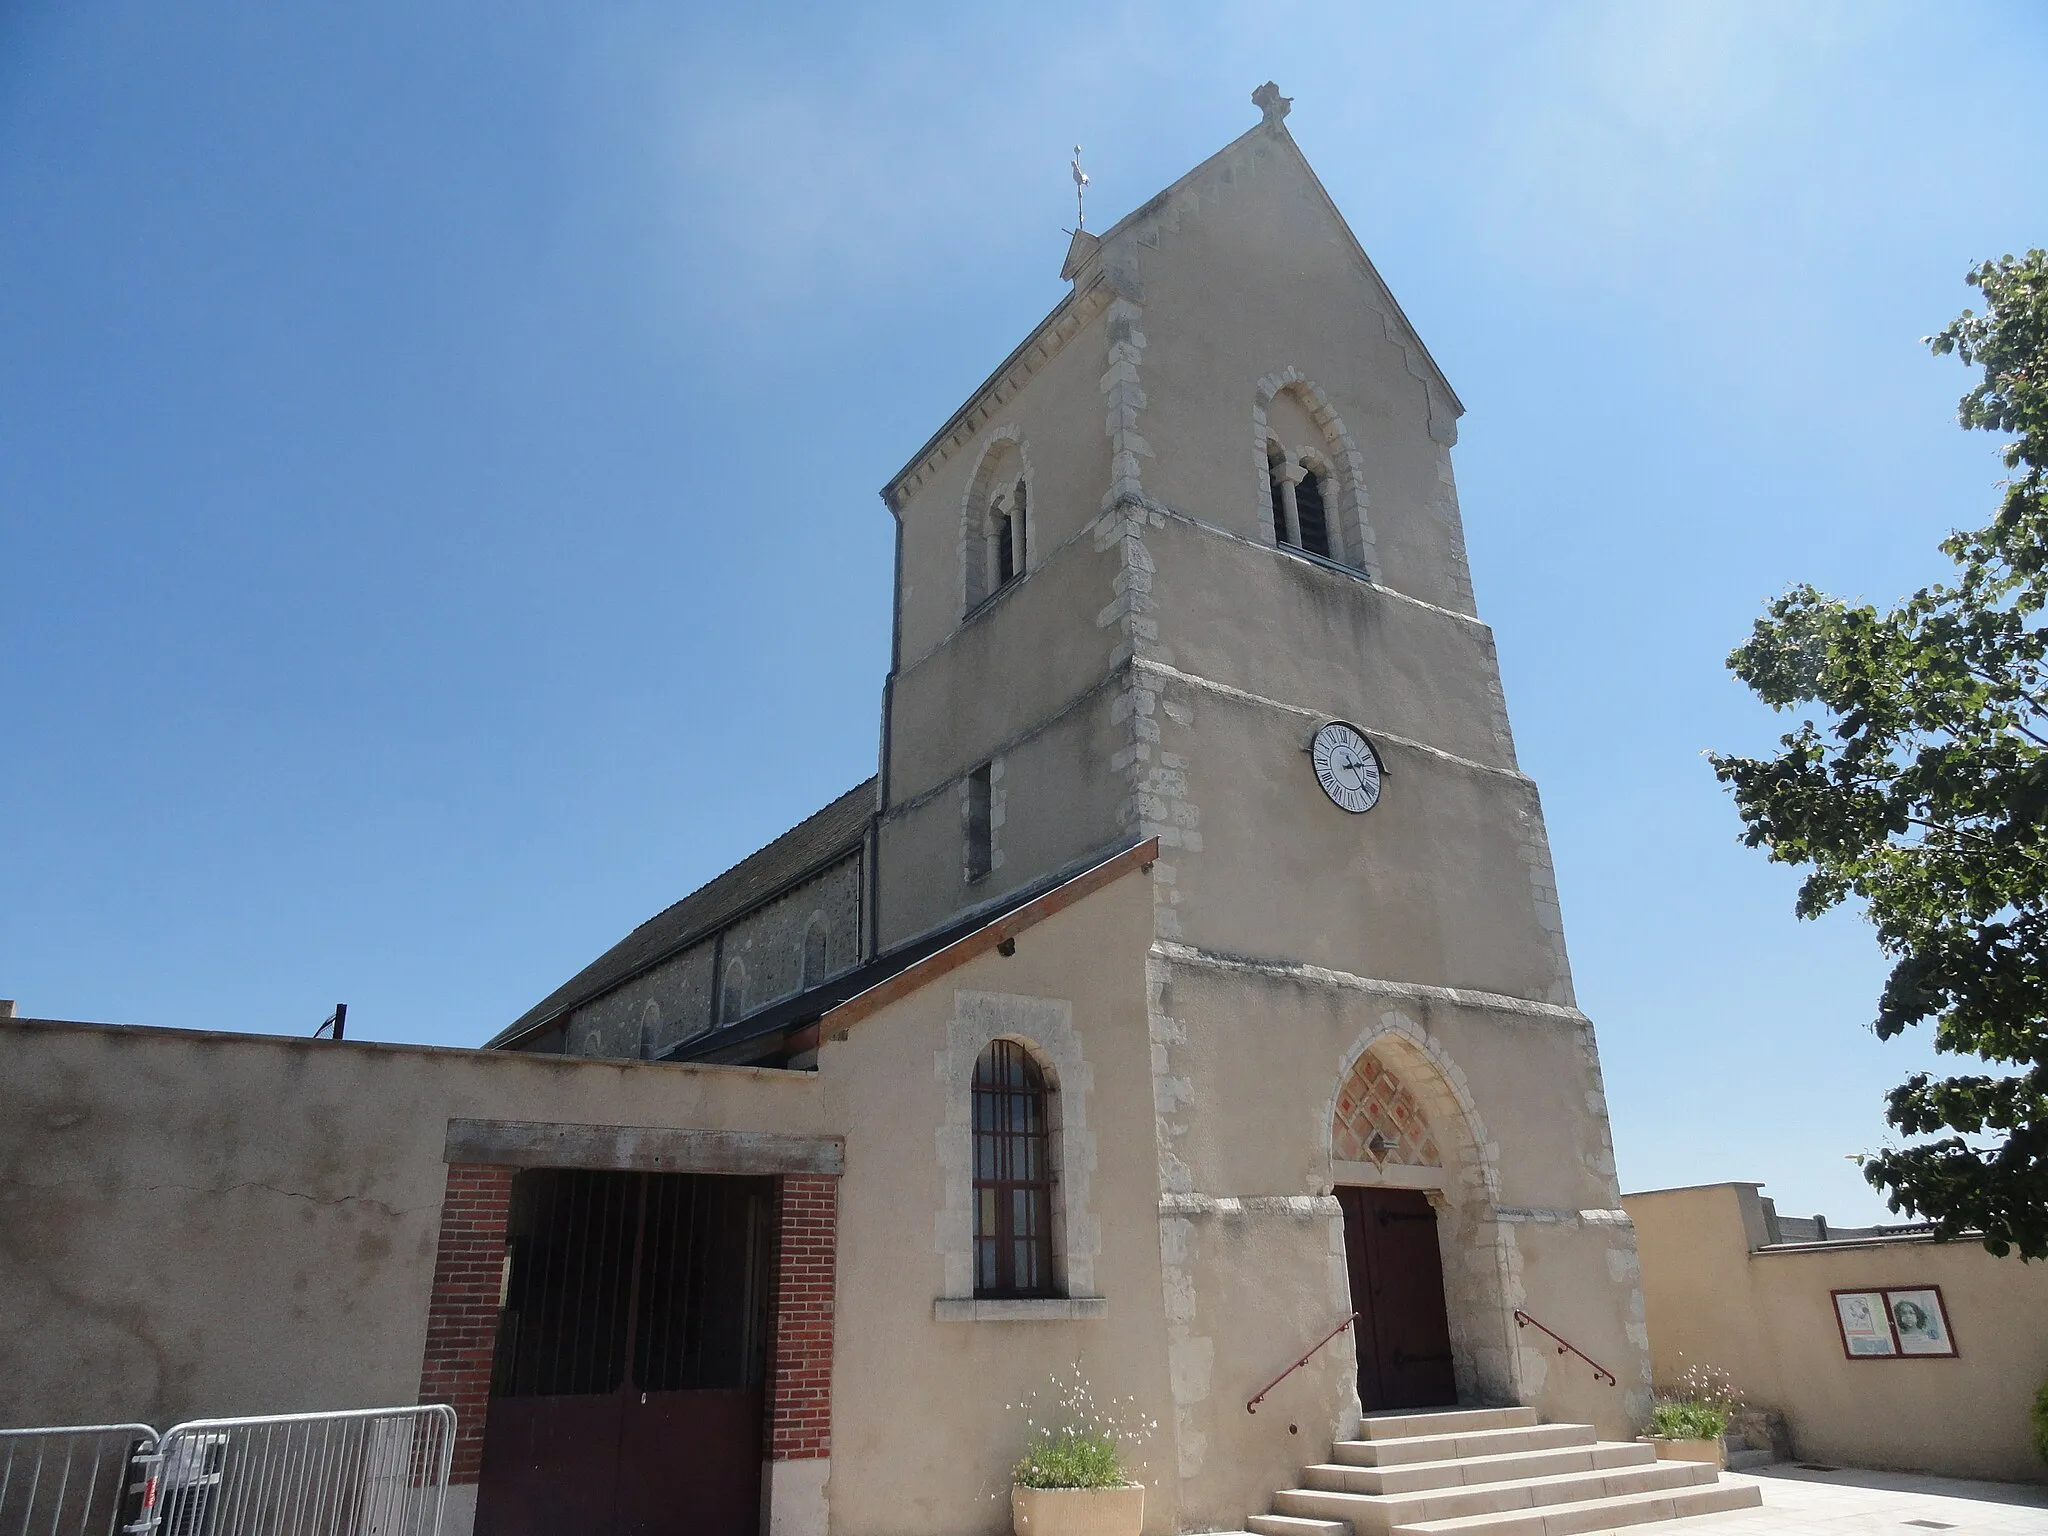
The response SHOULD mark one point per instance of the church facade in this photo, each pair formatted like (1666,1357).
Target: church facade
(1184,1005)
(1193,962)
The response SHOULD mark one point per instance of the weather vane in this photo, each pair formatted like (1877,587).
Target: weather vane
(1080,190)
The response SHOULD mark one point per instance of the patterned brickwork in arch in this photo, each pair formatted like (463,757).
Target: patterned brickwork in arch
(1371,1101)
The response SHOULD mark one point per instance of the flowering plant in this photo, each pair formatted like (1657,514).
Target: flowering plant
(1072,1441)
(1698,1406)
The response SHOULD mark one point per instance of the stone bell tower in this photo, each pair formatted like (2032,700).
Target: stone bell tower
(1202,516)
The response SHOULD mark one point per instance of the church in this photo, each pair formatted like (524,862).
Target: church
(1184,1002)
(1199,868)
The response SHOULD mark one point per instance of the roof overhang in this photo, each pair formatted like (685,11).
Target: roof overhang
(829,1011)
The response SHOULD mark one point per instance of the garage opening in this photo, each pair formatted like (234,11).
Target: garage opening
(627,1384)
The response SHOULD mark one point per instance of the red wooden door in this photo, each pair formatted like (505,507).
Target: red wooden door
(626,1393)
(1397,1288)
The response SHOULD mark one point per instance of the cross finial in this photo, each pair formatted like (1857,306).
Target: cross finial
(1267,99)
(1080,189)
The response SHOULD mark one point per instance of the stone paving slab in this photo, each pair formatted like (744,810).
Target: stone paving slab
(1846,1502)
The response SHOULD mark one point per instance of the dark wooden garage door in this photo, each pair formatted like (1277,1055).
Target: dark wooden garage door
(1397,1287)
(626,1393)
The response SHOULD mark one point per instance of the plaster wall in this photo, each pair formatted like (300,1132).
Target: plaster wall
(1446,881)
(1767,1319)
(1267,621)
(1054,415)
(1056,801)
(1248,1058)
(201,1224)
(1245,273)
(207,1224)
(1038,635)
(928,1413)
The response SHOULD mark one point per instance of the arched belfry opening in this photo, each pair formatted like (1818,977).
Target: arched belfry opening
(1409,1166)
(1312,478)
(995,522)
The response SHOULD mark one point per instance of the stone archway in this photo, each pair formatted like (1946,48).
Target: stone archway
(1402,1118)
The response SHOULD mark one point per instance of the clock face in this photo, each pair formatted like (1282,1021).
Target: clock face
(1347,767)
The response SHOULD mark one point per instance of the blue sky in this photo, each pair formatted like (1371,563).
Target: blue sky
(439,446)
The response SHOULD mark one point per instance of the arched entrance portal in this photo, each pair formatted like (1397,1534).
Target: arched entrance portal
(1388,1172)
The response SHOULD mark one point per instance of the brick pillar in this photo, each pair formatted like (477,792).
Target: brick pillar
(462,1313)
(800,1418)
(800,1366)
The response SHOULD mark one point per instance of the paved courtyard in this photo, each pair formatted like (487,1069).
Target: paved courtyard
(1801,1501)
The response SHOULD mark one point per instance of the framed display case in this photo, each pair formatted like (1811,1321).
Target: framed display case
(1894,1323)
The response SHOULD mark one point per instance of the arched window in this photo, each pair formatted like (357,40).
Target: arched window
(1012,1174)
(1311,476)
(815,937)
(994,519)
(732,992)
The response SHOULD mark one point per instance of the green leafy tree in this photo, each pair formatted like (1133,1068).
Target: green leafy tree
(1919,785)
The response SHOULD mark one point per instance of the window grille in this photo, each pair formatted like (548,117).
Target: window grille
(653,1282)
(1012,1175)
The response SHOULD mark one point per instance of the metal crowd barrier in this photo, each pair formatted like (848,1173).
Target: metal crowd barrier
(364,1472)
(84,1478)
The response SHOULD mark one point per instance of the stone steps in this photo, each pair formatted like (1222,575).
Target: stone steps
(1596,1514)
(1491,1472)
(1417,1476)
(1374,1514)
(1443,1421)
(1459,1446)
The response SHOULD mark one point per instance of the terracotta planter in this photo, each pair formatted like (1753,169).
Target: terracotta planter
(1689,1450)
(1078,1511)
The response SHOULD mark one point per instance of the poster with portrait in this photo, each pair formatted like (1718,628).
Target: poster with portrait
(1866,1324)
(1920,1321)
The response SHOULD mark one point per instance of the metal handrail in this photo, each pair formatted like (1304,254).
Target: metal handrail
(1253,1405)
(1564,1345)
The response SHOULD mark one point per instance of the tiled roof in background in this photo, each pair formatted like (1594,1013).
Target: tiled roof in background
(819,839)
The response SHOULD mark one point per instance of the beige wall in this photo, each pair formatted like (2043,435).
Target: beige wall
(1250,1062)
(1056,415)
(1167,666)
(1766,1318)
(205,1224)
(1247,273)
(922,1437)
(218,1206)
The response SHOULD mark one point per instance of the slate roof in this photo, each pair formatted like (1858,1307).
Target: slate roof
(818,840)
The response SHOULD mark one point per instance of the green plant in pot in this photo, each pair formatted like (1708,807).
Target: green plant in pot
(1072,1479)
(1687,1423)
